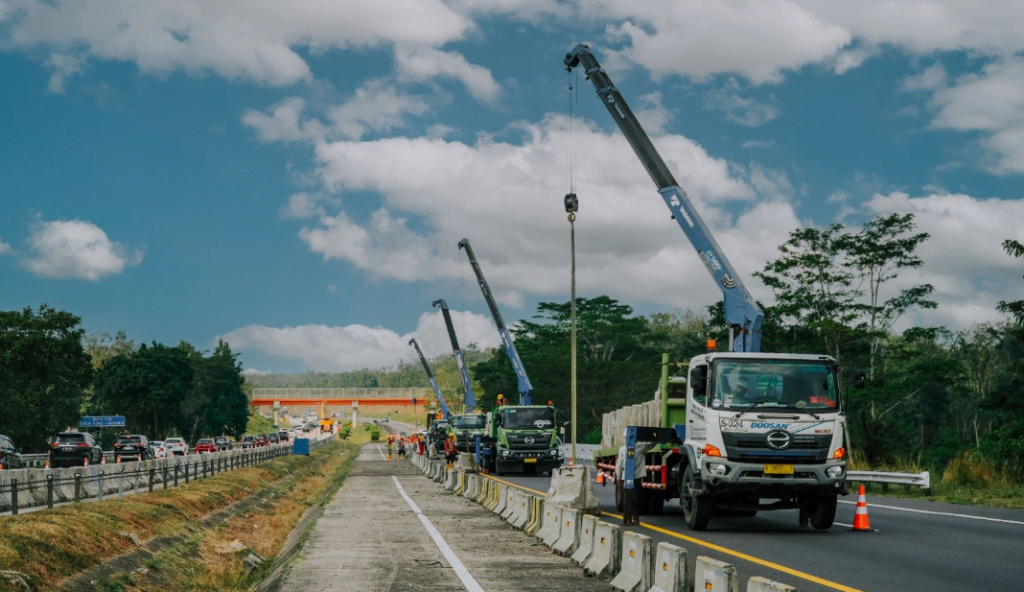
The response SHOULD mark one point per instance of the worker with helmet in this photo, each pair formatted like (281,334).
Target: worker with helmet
(451,452)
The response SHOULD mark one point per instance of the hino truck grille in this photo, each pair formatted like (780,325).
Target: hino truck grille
(537,442)
(765,447)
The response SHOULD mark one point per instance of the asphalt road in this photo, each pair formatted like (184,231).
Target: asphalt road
(919,546)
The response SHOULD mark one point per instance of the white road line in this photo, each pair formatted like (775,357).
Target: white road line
(381,451)
(841,524)
(986,518)
(460,570)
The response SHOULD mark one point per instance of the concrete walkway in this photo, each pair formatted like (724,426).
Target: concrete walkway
(370,539)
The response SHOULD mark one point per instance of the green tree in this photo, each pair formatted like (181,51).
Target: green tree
(44,373)
(102,346)
(147,387)
(1015,308)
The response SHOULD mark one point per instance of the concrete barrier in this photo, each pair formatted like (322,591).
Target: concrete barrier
(516,503)
(569,539)
(523,516)
(502,500)
(452,481)
(586,546)
(536,516)
(715,576)
(635,568)
(467,462)
(604,561)
(483,490)
(460,482)
(551,528)
(573,487)
(471,488)
(759,584)
(510,505)
(669,569)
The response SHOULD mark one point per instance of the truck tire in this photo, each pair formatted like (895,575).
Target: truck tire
(696,509)
(824,512)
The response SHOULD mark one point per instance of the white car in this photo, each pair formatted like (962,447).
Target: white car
(158,450)
(176,446)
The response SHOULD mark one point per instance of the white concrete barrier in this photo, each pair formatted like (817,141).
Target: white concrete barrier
(715,576)
(635,568)
(569,538)
(586,546)
(551,527)
(573,487)
(669,569)
(510,503)
(502,503)
(452,480)
(523,516)
(759,584)
(604,561)
(532,526)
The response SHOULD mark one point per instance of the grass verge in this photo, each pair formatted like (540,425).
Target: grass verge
(53,547)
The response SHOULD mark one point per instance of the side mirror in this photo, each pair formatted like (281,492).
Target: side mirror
(859,379)
(698,382)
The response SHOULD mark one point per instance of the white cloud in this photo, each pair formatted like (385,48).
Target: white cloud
(62,66)
(76,249)
(991,102)
(352,347)
(307,205)
(376,106)
(627,244)
(284,123)
(4,248)
(652,114)
(238,39)
(742,110)
(964,258)
(931,78)
(426,63)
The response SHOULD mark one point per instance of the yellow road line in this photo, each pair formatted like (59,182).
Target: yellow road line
(719,548)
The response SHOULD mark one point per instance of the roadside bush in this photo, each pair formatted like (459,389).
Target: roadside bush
(374,434)
(970,470)
(345,432)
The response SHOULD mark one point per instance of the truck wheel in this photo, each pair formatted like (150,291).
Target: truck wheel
(824,512)
(696,509)
(620,503)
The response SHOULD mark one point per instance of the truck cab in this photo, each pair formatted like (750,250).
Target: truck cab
(466,428)
(525,439)
(763,427)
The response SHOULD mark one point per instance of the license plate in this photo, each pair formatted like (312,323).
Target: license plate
(529,460)
(67,448)
(778,469)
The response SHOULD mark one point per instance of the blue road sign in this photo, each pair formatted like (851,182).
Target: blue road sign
(102,421)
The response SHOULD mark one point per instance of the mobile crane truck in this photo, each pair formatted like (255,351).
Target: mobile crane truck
(467,426)
(522,437)
(743,431)
(435,424)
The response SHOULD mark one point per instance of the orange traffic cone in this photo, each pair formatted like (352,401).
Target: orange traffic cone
(860,519)
(600,478)
(46,467)
(86,463)
(570,462)
(118,459)
(103,460)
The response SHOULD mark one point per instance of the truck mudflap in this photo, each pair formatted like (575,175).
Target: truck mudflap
(739,476)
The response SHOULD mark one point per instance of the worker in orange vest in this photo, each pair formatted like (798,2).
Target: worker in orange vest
(451,453)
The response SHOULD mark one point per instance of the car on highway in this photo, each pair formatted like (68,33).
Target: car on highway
(205,446)
(131,447)
(262,440)
(69,449)
(176,446)
(274,438)
(284,435)
(222,443)
(248,441)
(157,450)
(10,456)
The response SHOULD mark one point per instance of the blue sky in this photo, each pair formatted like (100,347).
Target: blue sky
(297,179)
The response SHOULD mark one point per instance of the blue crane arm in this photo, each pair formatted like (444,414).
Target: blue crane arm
(742,313)
(523,381)
(433,381)
(463,373)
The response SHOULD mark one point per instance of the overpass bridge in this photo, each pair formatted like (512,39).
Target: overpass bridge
(340,397)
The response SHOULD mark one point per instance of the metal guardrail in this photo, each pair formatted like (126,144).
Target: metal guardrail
(31,488)
(908,480)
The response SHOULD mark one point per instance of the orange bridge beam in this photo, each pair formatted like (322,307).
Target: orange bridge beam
(261,402)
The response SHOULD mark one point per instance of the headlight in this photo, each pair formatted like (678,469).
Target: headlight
(504,452)
(717,469)
(834,472)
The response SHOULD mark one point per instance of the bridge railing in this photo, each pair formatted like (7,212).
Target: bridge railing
(908,480)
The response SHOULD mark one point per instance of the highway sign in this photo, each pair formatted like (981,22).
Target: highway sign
(102,421)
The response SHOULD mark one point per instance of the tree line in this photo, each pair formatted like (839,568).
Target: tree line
(52,373)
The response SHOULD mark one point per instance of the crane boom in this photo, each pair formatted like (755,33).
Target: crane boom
(523,381)
(433,381)
(466,385)
(742,313)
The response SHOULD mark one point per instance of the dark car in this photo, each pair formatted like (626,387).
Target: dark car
(132,447)
(222,443)
(70,449)
(274,438)
(248,441)
(283,435)
(10,456)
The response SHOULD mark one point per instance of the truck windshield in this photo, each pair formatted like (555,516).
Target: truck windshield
(538,418)
(469,422)
(789,384)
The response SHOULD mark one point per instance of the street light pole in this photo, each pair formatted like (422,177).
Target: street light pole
(571,206)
